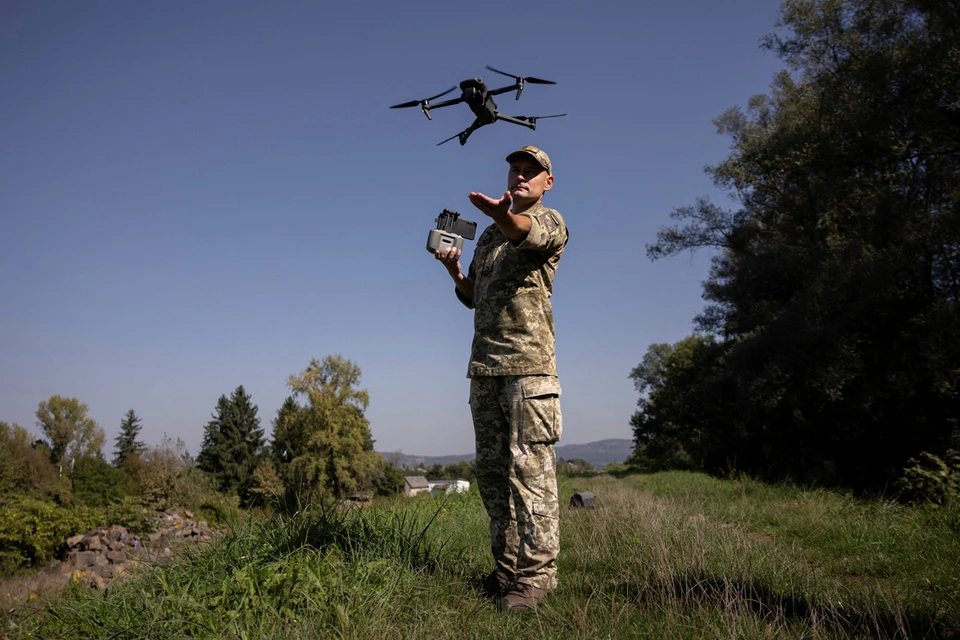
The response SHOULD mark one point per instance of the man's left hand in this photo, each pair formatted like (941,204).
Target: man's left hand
(496,209)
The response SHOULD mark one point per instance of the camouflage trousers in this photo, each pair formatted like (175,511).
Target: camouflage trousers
(517,420)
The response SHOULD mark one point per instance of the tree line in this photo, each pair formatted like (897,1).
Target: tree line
(829,348)
(321,447)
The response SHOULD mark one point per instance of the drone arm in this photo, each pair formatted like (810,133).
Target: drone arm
(513,87)
(529,125)
(445,103)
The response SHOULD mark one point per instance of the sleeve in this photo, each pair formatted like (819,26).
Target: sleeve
(471,275)
(547,232)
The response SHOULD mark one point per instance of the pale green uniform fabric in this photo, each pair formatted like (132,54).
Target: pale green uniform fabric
(515,395)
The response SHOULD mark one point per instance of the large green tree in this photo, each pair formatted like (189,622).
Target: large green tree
(834,292)
(322,439)
(232,442)
(72,434)
(127,443)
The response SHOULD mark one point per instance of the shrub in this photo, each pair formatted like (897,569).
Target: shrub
(25,466)
(932,479)
(97,484)
(386,479)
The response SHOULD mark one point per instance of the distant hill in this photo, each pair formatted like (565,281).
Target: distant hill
(599,454)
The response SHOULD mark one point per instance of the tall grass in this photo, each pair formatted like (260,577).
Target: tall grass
(670,555)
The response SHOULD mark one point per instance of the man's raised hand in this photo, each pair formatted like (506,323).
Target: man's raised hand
(493,208)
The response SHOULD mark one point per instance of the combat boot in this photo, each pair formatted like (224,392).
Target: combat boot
(522,597)
(495,585)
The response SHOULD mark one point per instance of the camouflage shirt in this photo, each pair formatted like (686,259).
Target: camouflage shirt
(512,285)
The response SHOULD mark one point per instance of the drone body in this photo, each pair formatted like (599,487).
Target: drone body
(479,98)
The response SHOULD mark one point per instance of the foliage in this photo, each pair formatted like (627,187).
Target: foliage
(927,478)
(574,466)
(232,443)
(462,470)
(126,443)
(97,484)
(680,403)
(386,479)
(25,468)
(834,294)
(165,477)
(71,432)
(266,484)
(32,531)
(324,445)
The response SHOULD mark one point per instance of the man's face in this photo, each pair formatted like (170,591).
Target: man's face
(527,181)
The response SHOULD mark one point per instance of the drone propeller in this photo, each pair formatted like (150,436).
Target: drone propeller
(423,104)
(520,80)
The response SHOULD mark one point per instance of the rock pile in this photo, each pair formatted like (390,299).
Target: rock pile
(99,555)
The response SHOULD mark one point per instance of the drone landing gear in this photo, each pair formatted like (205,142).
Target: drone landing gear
(463,135)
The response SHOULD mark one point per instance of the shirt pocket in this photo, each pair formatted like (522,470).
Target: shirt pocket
(541,419)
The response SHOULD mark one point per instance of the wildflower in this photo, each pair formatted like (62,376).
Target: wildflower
(166,550)
(32,596)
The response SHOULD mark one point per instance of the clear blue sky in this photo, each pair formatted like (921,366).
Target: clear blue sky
(199,195)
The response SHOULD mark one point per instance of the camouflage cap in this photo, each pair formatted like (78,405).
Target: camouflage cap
(539,155)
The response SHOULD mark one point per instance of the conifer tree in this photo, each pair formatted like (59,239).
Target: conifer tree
(126,443)
(232,443)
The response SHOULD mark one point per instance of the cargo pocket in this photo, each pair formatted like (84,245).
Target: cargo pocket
(546,522)
(541,419)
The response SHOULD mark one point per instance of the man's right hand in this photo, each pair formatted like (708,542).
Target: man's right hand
(450,257)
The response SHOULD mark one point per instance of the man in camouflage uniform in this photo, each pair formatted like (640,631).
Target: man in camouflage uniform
(514,391)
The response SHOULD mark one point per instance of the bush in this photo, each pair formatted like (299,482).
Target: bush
(386,479)
(32,531)
(931,479)
(25,467)
(97,484)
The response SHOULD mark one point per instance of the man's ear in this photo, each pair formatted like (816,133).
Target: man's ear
(549,184)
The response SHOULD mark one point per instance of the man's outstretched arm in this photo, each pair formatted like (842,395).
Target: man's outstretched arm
(514,226)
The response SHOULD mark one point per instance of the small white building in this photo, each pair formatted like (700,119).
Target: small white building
(448,486)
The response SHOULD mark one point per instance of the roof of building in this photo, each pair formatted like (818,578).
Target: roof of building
(417,482)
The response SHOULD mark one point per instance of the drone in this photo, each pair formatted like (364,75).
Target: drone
(479,98)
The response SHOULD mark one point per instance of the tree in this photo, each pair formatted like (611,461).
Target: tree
(126,443)
(232,443)
(835,292)
(325,439)
(266,484)
(96,484)
(72,434)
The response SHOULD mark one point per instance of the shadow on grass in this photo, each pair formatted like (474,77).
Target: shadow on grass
(704,590)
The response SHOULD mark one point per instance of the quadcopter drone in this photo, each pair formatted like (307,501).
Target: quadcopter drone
(480,100)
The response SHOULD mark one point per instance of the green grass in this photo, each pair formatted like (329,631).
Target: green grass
(675,555)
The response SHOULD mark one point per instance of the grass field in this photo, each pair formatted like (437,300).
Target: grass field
(675,555)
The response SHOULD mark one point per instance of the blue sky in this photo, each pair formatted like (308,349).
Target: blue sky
(201,195)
